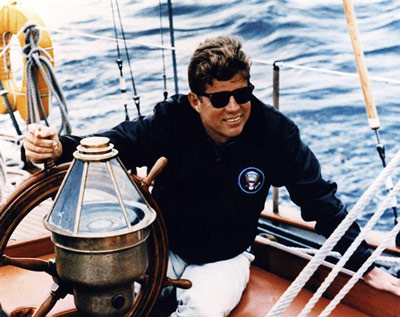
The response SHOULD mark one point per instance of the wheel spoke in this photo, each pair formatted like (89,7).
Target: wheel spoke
(31,264)
(57,293)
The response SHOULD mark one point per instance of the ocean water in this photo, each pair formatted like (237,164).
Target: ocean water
(329,109)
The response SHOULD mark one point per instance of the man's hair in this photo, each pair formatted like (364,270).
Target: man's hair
(219,58)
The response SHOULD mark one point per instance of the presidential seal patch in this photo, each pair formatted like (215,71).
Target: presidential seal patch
(251,180)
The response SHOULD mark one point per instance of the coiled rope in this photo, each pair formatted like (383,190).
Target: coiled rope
(37,58)
(329,244)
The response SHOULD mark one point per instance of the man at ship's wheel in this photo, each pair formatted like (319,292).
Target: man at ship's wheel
(225,149)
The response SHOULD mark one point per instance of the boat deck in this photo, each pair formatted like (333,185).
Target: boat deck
(21,287)
(32,225)
(262,292)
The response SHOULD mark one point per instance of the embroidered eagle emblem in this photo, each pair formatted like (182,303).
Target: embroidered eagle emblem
(251,180)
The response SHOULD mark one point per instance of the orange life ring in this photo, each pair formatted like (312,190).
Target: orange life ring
(13,18)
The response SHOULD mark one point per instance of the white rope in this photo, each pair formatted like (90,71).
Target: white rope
(313,251)
(329,244)
(108,38)
(350,283)
(381,259)
(389,259)
(7,47)
(334,72)
(349,252)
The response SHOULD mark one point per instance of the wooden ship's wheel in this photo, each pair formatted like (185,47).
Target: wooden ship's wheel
(44,185)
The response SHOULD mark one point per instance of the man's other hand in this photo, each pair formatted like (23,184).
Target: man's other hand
(382,280)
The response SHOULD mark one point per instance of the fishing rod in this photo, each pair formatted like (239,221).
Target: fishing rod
(373,119)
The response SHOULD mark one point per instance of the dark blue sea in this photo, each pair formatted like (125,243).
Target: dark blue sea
(329,109)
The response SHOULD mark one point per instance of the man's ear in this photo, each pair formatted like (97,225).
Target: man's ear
(194,101)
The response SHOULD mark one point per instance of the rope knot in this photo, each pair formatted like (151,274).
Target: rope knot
(32,33)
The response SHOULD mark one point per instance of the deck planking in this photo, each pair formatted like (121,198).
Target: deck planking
(32,225)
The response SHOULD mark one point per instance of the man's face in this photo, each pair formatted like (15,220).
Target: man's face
(221,124)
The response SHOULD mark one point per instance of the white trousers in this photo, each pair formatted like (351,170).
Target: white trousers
(216,287)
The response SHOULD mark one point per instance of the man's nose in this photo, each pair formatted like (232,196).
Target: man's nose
(232,104)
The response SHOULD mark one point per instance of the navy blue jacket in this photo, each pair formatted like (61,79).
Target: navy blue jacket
(211,195)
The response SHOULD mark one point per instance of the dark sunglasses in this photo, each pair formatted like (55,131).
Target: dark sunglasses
(221,99)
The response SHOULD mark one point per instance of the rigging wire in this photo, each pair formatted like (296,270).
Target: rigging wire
(136,98)
(254,60)
(122,82)
(162,52)
(172,37)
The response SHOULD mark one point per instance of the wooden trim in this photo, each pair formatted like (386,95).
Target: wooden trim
(291,216)
(37,247)
(282,261)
